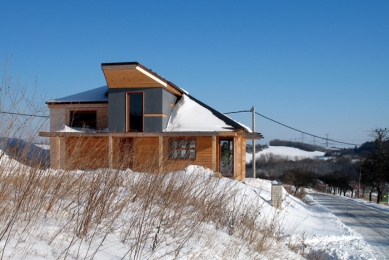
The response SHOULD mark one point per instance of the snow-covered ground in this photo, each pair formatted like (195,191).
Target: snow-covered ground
(311,227)
(286,152)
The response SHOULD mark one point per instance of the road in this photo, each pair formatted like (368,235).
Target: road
(372,224)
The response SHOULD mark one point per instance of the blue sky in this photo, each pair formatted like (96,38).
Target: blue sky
(318,66)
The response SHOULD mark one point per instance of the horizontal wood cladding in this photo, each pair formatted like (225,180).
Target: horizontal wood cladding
(203,155)
(133,78)
(86,152)
(141,154)
(145,157)
(60,114)
(154,115)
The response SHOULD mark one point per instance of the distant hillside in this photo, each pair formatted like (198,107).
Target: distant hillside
(284,151)
(299,145)
(353,152)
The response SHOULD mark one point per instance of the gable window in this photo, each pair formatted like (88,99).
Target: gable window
(182,149)
(83,119)
(134,112)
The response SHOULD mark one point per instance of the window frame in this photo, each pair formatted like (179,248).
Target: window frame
(182,149)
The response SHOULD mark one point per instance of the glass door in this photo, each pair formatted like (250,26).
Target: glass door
(226,157)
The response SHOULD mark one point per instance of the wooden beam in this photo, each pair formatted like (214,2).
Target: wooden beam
(154,115)
(136,134)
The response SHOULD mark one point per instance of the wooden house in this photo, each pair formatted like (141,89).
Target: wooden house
(143,122)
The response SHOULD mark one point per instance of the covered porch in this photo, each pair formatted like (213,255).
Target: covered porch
(223,152)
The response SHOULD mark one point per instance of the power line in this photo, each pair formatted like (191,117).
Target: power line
(303,132)
(20,114)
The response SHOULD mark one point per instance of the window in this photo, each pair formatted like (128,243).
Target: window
(83,119)
(182,149)
(134,112)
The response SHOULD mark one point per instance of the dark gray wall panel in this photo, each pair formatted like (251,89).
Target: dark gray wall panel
(156,101)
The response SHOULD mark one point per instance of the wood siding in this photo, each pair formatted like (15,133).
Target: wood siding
(60,114)
(203,155)
(129,78)
(142,154)
(86,152)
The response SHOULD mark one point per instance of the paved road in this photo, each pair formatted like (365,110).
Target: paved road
(372,224)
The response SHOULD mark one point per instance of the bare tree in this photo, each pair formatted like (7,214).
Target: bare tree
(299,178)
(375,166)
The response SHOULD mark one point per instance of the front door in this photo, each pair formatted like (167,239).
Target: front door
(226,157)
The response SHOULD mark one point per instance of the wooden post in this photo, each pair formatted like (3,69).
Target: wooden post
(110,152)
(160,154)
(214,154)
(62,152)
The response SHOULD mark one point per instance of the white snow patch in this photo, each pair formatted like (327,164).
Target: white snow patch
(68,129)
(291,152)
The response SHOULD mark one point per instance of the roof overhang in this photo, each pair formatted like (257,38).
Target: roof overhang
(135,75)
(154,134)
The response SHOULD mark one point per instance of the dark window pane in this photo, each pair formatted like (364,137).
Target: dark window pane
(83,119)
(226,157)
(136,112)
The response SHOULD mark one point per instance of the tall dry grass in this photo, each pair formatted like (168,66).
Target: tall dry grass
(152,216)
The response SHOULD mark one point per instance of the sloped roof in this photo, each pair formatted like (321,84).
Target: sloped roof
(96,95)
(189,114)
(134,74)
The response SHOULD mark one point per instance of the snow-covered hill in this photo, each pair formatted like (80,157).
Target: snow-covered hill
(304,228)
(293,153)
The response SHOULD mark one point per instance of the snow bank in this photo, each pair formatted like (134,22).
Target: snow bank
(321,231)
(23,151)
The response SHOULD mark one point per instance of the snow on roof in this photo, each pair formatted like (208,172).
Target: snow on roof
(93,95)
(188,115)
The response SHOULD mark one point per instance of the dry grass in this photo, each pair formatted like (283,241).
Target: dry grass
(154,215)
(299,194)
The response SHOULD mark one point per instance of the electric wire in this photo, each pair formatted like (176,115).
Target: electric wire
(20,114)
(241,111)
(295,129)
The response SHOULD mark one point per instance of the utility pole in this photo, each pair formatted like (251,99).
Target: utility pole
(253,121)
